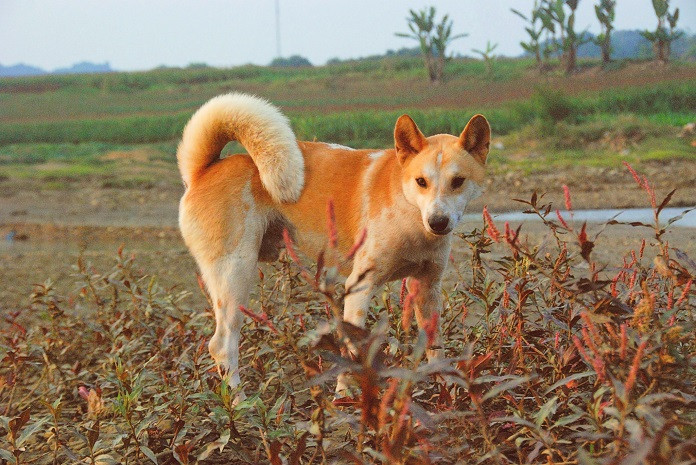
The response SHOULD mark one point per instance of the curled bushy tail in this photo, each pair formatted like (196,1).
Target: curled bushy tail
(259,127)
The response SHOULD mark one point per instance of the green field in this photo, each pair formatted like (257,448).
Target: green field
(74,120)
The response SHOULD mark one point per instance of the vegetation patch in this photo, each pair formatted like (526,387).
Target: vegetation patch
(549,357)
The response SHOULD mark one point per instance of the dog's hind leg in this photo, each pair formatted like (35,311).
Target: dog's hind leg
(230,280)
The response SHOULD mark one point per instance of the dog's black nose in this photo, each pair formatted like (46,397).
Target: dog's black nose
(438,224)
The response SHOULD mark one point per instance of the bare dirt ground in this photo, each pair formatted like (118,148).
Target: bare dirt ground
(53,227)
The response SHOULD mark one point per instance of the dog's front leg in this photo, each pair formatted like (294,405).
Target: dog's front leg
(357,301)
(360,287)
(428,306)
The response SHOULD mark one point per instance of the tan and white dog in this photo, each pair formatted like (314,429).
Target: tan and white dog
(235,209)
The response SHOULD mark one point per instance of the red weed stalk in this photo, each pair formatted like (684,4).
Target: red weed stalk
(631,284)
(589,343)
(591,326)
(685,292)
(643,184)
(492,230)
(409,303)
(331,224)
(610,329)
(560,218)
(580,347)
(633,173)
(386,402)
(261,318)
(430,327)
(402,292)
(357,244)
(624,342)
(630,382)
(290,247)
(566,196)
(651,193)
(614,281)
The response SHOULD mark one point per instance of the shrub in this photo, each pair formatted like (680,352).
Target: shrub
(551,106)
(294,61)
(550,357)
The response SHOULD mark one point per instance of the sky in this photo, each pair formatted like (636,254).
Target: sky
(143,34)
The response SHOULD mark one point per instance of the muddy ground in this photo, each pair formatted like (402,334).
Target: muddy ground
(52,228)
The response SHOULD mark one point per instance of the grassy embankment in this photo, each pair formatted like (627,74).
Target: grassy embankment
(62,129)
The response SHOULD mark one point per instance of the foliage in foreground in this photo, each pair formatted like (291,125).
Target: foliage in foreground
(550,357)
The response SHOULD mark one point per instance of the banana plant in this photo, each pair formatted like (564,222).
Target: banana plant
(488,57)
(433,38)
(665,33)
(534,28)
(605,12)
(569,40)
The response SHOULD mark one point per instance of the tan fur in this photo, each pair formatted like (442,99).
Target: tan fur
(234,210)
(259,127)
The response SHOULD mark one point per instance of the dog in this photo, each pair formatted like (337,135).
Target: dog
(233,213)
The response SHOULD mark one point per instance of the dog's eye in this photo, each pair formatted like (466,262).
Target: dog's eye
(457,182)
(421,182)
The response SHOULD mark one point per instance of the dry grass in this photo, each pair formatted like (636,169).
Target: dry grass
(548,359)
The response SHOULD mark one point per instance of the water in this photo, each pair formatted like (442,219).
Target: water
(643,215)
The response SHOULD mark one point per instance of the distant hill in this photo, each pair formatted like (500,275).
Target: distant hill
(631,44)
(84,67)
(20,70)
(402,52)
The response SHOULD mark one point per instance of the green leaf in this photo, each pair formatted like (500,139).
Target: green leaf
(547,409)
(105,459)
(219,444)
(584,458)
(149,454)
(568,419)
(567,379)
(29,430)
(518,13)
(497,389)
(517,420)
(680,216)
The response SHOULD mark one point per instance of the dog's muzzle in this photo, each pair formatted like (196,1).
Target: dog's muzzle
(439,225)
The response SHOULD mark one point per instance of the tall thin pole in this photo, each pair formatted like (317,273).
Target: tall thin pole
(277,14)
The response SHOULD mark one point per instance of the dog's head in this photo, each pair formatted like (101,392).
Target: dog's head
(441,174)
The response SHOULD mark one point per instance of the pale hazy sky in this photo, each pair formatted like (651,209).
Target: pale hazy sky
(142,34)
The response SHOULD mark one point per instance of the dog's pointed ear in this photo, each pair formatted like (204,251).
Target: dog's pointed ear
(408,139)
(476,138)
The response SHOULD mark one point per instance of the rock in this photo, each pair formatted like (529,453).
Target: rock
(688,130)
